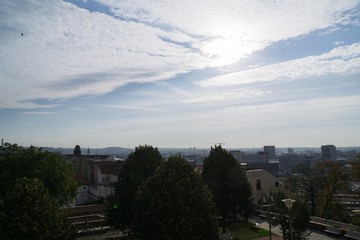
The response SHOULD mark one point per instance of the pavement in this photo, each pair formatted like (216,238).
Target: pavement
(277,235)
(261,223)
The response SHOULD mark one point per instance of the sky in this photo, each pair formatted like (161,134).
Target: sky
(189,73)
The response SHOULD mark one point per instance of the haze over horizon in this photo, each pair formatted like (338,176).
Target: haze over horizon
(190,148)
(180,73)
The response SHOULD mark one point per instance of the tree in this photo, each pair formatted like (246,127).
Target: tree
(139,166)
(299,214)
(30,212)
(304,181)
(228,183)
(175,204)
(319,185)
(355,173)
(355,179)
(333,180)
(56,175)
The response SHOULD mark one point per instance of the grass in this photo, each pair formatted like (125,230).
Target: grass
(246,231)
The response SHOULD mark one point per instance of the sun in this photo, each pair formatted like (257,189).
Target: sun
(226,44)
(225,50)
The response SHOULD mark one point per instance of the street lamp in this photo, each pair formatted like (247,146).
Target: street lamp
(289,204)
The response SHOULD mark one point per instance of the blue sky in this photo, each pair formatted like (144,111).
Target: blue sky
(180,73)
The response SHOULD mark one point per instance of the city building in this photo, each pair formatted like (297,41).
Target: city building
(290,151)
(270,150)
(258,160)
(328,152)
(287,162)
(96,175)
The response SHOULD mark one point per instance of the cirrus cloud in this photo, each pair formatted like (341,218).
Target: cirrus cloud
(341,60)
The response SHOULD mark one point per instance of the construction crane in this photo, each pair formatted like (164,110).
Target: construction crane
(217,144)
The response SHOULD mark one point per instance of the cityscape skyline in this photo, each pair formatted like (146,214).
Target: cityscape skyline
(180,74)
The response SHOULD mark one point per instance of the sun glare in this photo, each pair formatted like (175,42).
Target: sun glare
(225,50)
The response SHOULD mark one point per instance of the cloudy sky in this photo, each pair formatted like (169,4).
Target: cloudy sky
(189,73)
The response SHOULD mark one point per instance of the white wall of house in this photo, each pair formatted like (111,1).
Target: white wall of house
(99,191)
(82,195)
(261,183)
(97,175)
(101,185)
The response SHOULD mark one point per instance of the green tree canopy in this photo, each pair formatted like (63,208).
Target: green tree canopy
(18,162)
(299,214)
(139,166)
(175,204)
(30,212)
(228,183)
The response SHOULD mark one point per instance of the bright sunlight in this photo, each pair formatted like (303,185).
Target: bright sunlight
(226,50)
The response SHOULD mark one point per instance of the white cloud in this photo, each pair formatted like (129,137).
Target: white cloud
(341,60)
(305,105)
(236,28)
(38,113)
(67,52)
(226,95)
(126,107)
(63,45)
(337,43)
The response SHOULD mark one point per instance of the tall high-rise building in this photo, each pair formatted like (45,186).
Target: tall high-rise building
(270,150)
(77,150)
(328,152)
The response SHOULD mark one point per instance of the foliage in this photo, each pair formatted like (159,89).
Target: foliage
(228,183)
(299,214)
(175,204)
(332,180)
(30,212)
(355,171)
(355,178)
(304,181)
(17,162)
(139,166)
(319,185)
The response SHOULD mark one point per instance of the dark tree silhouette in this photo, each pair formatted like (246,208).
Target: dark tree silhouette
(30,212)
(175,204)
(139,166)
(229,185)
(56,175)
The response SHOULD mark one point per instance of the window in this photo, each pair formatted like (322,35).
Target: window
(276,184)
(92,178)
(258,184)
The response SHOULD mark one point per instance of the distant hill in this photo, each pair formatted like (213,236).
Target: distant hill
(119,151)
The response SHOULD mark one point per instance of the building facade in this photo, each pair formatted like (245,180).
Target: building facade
(328,152)
(261,182)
